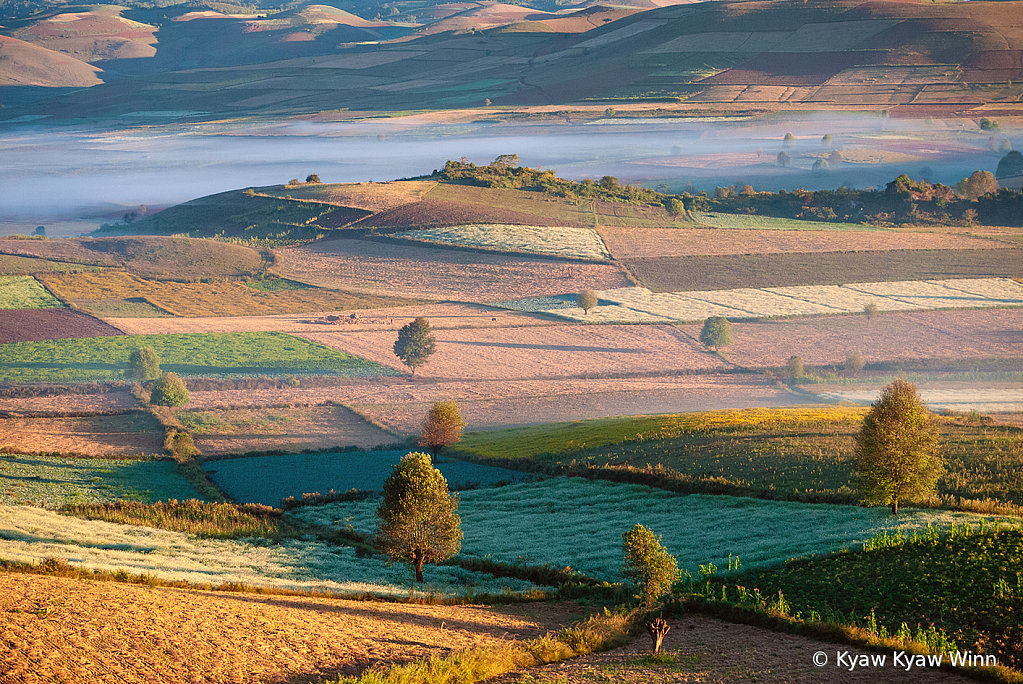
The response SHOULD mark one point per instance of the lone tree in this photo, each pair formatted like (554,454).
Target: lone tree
(855,362)
(1010,165)
(143,365)
(415,343)
(896,454)
(443,426)
(870,310)
(312,178)
(418,522)
(977,185)
(586,300)
(717,332)
(784,159)
(169,390)
(794,368)
(648,564)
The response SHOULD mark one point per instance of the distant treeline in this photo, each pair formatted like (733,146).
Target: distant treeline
(901,201)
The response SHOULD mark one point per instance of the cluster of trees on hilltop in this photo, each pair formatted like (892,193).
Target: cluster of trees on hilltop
(904,200)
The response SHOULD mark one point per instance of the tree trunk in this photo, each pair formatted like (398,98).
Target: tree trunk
(657,629)
(895,506)
(417,558)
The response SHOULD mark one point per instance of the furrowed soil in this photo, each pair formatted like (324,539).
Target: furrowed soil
(711,651)
(132,434)
(70,403)
(976,334)
(59,629)
(641,243)
(438,273)
(35,325)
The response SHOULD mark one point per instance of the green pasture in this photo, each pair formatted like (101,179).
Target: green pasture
(278,285)
(752,222)
(54,482)
(25,292)
(106,358)
(19,265)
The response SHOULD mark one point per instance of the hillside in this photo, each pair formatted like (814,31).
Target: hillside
(910,58)
(25,64)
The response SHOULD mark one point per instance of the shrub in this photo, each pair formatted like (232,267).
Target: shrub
(794,368)
(143,365)
(977,185)
(1010,165)
(855,362)
(312,178)
(870,310)
(169,390)
(987,124)
(587,299)
(717,332)
(648,564)
(783,159)
(443,426)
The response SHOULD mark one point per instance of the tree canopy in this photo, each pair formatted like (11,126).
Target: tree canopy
(648,564)
(415,343)
(169,390)
(717,332)
(143,365)
(442,426)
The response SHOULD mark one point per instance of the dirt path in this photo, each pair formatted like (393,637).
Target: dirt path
(56,629)
(710,651)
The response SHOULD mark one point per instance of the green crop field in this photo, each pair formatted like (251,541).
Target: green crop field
(19,265)
(25,292)
(106,358)
(800,454)
(748,222)
(55,482)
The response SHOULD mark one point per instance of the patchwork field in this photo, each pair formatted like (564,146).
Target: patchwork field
(69,403)
(367,196)
(203,299)
(748,222)
(25,292)
(53,482)
(579,243)
(236,431)
(132,434)
(261,639)
(20,265)
(436,273)
(1002,397)
(641,243)
(34,325)
(565,351)
(106,358)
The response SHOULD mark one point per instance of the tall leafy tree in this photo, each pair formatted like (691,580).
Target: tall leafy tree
(586,300)
(896,454)
(649,564)
(415,343)
(443,426)
(717,332)
(417,521)
(143,365)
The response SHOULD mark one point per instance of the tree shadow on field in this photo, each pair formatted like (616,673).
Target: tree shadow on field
(546,347)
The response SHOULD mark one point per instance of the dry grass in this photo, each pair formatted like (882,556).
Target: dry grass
(70,403)
(60,629)
(207,299)
(369,196)
(132,434)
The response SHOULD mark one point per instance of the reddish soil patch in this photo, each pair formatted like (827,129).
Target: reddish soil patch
(711,651)
(981,334)
(443,274)
(994,67)
(631,243)
(34,325)
(430,213)
(70,403)
(792,68)
(561,351)
(132,434)
(99,632)
(341,217)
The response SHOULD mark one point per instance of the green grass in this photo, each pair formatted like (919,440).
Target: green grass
(797,454)
(205,519)
(968,585)
(134,307)
(55,482)
(106,358)
(278,285)
(25,292)
(751,222)
(19,265)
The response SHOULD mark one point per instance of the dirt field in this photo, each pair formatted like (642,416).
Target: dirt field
(436,273)
(440,316)
(636,243)
(974,334)
(132,434)
(33,325)
(430,213)
(710,651)
(558,351)
(58,629)
(290,429)
(70,403)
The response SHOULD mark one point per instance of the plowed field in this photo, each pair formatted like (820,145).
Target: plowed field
(131,434)
(34,325)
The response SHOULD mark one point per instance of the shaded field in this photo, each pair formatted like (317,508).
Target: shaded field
(70,403)
(132,434)
(563,351)
(25,292)
(431,213)
(32,325)
(205,299)
(103,358)
(674,274)
(159,257)
(22,265)
(754,222)
(56,482)
(895,336)
(641,243)
(289,429)
(119,627)
(437,273)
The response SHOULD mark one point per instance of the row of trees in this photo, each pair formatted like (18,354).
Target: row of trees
(166,389)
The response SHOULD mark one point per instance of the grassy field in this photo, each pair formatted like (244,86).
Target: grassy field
(748,222)
(966,583)
(676,274)
(56,482)
(131,434)
(213,520)
(25,292)
(19,265)
(190,354)
(207,299)
(803,453)
(579,243)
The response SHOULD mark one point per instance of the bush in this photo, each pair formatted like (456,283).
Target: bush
(143,365)
(169,390)
(648,564)
(1010,165)
(794,368)
(717,332)
(587,299)
(855,362)
(443,426)
(312,178)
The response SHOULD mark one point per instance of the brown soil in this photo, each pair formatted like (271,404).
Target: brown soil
(289,429)
(132,434)
(70,403)
(58,629)
(979,334)
(710,651)
(559,351)
(34,325)
(631,243)
(437,273)
(430,213)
